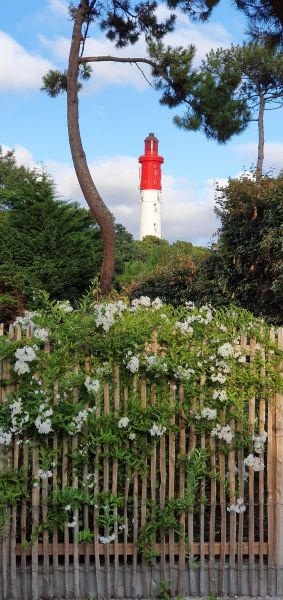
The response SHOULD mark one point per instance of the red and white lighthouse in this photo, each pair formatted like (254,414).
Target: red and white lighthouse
(150,188)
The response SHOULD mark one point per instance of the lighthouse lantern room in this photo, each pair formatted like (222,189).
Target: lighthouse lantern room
(150,188)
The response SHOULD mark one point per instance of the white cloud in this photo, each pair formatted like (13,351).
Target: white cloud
(18,68)
(186,215)
(58,7)
(273,152)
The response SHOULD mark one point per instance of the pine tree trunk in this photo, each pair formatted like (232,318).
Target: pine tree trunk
(260,154)
(97,207)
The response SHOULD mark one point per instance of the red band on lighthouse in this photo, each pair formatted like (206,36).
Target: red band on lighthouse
(151,162)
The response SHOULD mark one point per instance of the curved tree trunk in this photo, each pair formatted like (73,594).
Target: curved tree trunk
(260,154)
(97,207)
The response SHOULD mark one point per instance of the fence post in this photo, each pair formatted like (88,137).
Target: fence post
(279,477)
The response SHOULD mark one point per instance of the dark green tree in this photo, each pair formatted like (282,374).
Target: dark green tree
(44,242)
(236,86)
(250,247)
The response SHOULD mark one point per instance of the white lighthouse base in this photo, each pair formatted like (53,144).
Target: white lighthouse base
(150,217)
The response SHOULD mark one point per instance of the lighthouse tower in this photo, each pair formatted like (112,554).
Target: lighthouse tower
(150,188)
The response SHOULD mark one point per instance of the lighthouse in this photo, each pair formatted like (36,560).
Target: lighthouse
(150,188)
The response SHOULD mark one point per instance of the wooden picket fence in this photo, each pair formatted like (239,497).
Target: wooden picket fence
(222,553)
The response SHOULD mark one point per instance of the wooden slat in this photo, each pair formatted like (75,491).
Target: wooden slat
(6,460)
(243,348)
(55,562)
(135,523)
(211,563)
(13,530)
(65,468)
(202,509)
(24,523)
(144,492)
(75,485)
(115,484)
(130,549)
(182,448)
(171,494)
(222,469)
(153,491)
(278,475)
(86,472)
(107,586)
(261,481)
(96,512)
(251,481)
(192,581)
(232,562)
(35,499)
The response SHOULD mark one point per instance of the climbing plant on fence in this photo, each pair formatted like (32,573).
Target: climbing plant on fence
(136,430)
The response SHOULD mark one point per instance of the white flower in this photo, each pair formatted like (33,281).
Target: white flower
(79,420)
(259,441)
(41,333)
(132,436)
(26,353)
(142,301)
(5,437)
(35,484)
(21,367)
(132,362)
(26,319)
(65,306)
(67,507)
(208,413)
(17,407)
(223,433)
(218,377)
(255,462)
(190,305)
(242,358)
(155,363)
(223,365)
(73,523)
(157,430)
(106,313)
(226,350)
(185,327)
(43,426)
(237,508)
(123,422)
(221,394)
(183,373)
(92,385)
(108,539)
(44,474)
(157,303)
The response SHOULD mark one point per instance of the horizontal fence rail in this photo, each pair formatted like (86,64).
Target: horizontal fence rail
(207,551)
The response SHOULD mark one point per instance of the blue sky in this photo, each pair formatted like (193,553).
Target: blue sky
(117,110)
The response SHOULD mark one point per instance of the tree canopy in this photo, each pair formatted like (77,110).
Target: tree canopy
(236,86)
(45,242)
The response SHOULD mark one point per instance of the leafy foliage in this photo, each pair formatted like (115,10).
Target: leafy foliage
(251,243)
(231,82)
(193,353)
(45,243)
